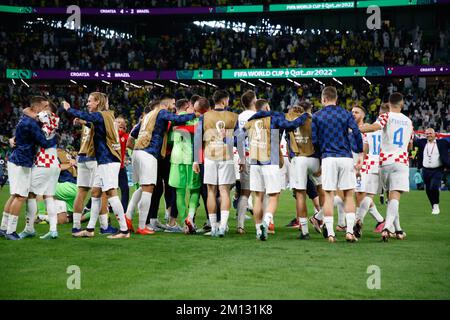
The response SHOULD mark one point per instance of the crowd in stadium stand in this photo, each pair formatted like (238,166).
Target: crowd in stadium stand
(148,3)
(43,47)
(425,107)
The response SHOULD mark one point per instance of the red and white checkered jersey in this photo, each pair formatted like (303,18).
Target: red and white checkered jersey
(50,123)
(48,158)
(372,158)
(397,132)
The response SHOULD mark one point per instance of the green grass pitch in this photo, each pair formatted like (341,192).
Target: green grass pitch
(177,266)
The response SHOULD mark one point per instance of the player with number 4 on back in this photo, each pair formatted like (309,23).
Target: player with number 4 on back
(396,140)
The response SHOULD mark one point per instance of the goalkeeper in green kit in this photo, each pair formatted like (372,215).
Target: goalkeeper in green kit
(182,176)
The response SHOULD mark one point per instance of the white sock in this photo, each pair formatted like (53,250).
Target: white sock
(77,220)
(242,210)
(258,228)
(250,203)
(117,208)
(5,219)
(341,210)
(143,207)
(350,217)
(12,224)
(213,221)
(31,215)
(103,218)
(363,208)
(52,215)
(328,220)
(375,214)
(397,222)
(391,213)
(304,225)
(319,215)
(268,218)
(224,219)
(191,214)
(96,204)
(135,198)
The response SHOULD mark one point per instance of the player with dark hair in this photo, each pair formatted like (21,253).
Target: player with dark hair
(28,135)
(396,140)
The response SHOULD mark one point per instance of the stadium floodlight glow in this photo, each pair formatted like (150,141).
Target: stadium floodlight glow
(267,82)
(123,81)
(289,80)
(297,84)
(337,81)
(84,86)
(261,80)
(13,81)
(149,82)
(242,80)
(23,81)
(253,85)
(73,81)
(364,78)
(184,84)
(173,81)
(104,81)
(201,81)
(157,84)
(135,85)
(212,85)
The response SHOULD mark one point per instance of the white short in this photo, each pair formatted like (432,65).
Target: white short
(371,183)
(395,177)
(61,206)
(338,174)
(107,176)
(145,168)
(265,178)
(219,172)
(44,180)
(19,179)
(302,168)
(86,173)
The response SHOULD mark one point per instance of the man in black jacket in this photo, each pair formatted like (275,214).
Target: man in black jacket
(432,157)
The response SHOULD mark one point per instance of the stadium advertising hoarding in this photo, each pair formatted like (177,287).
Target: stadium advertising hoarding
(417,70)
(224,9)
(136,11)
(88,75)
(108,75)
(302,72)
(312,6)
(231,73)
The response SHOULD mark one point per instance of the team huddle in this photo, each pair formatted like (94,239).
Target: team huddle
(193,151)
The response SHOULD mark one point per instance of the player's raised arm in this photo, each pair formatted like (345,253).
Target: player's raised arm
(174,118)
(282,123)
(94,117)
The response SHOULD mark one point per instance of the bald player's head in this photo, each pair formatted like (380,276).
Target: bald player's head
(431,134)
